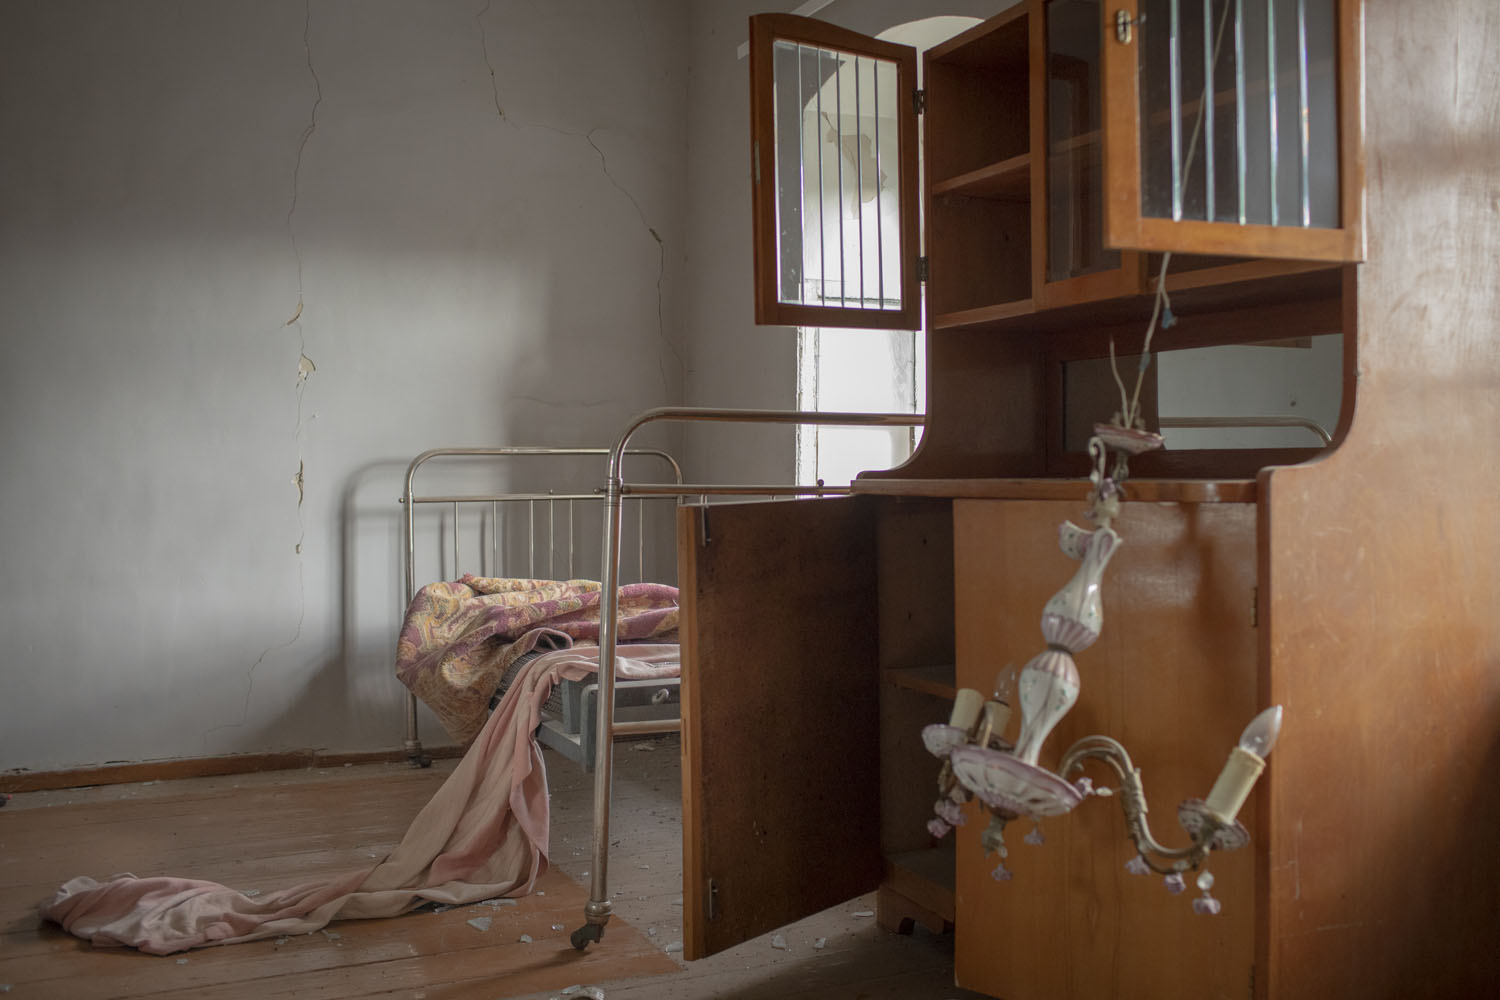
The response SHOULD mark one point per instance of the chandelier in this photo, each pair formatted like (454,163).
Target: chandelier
(1006,779)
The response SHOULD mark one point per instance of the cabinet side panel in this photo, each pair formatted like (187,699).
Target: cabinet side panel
(1173,677)
(1380,610)
(780,715)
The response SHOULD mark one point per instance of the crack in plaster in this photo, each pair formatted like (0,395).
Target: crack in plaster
(588,137)
(484,44)
(305,367)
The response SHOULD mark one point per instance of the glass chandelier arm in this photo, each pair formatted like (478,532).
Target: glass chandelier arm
(1160,859)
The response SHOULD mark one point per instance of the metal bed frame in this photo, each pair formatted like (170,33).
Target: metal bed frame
(597,912)
(507,501)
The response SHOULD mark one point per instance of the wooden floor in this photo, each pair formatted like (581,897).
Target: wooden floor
(274,829)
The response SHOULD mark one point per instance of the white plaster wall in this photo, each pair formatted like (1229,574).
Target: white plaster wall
(196,196)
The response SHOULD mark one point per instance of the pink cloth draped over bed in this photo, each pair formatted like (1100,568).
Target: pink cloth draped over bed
(459,638)
(483,835)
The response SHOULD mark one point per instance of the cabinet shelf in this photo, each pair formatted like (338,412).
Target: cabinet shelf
(1151,490)
(936,679)
(981,315)
(1007,180)
(926,876)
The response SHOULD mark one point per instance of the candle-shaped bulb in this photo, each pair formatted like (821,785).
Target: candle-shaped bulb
(1260,736)
(1005,685)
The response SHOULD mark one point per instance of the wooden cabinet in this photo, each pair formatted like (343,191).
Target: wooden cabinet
(1358,590)
(1060,140)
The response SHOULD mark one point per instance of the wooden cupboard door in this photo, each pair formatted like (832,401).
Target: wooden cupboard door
(833,122)
(1174,678)
(1071,262)
(1273,165)
(780,714)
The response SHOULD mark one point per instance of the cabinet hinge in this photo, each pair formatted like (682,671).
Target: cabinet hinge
(919,100)
(713,900)
(1255,607)
(922,269)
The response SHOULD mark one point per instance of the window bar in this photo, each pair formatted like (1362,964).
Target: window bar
(640,541)
(1174,58)
(838,146)
(572,521)
(1271,103)
(1239,105)
(859,184)
(801,177)
(822,190)
(531,539)
(494,538)
(1302,109)
(1208,112)
(879,227)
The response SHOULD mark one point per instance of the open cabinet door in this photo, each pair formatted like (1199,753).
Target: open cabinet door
(780,714)
(833,124)
(1272,165)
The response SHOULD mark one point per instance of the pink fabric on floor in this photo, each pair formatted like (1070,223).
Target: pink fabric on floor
(483,834)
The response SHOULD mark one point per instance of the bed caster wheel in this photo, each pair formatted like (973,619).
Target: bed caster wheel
(419,760)
(588,932)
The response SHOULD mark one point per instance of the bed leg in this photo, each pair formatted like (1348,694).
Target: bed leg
(591,931)
(414,755)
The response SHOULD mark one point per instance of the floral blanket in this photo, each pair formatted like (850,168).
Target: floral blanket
(458,638)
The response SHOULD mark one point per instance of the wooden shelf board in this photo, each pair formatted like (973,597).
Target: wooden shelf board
(1149,490)
(925,876)
(983,314)
(1007,180)
(937,679)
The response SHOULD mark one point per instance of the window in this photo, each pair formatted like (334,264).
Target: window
(860,370)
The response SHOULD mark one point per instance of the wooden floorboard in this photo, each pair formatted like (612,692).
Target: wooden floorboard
(269,830)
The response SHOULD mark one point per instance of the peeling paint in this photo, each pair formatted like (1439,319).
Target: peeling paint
(297,481)
(305,367)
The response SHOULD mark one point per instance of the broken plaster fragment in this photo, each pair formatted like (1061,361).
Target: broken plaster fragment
(525,939)
(480,923)
(778,942)
(182,961)
(675,946)
(820,943)
(862,913)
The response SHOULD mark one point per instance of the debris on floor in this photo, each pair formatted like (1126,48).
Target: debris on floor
(558,927)
(480,923)
(332,935)
(497,902)
(819,943)
(524,939)
(675,946)
(779,942)
(862,913)
(590,992)
(182,961)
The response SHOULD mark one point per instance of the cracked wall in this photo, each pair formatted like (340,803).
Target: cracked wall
(257,256)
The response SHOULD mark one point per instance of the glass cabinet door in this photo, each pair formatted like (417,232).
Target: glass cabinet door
(1073,263)
(834,146)
(1232,127)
